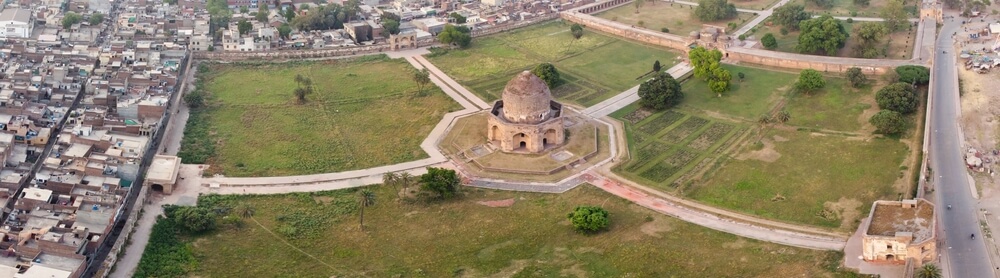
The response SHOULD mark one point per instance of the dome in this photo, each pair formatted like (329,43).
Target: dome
(526,99)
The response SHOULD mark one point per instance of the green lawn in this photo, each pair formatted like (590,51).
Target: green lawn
(756,95)
(847,7)
(816,179)
(594,67)
(259,129)
(836,107)
(461,238)
(898,45)
(678,18)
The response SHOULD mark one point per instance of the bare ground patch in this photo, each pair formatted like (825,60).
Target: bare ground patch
(498,203)
(766,154)
(848,210)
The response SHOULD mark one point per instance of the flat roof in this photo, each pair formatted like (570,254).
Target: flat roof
(909,216)
(39,194)
(15,15)
(164,168)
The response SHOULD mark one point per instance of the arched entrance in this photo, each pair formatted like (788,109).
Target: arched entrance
(157,187)
(495,133)
(890,257)
(549,138)
(521,140)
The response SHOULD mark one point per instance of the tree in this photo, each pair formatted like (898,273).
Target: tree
(790,15)
(769,41)
(783,116)
(304,87)
(577,30)
(263,14)
(71,18)
(809,81)
(741,76)
(900,97)
(856,77)
(718,81)
(862,3)
(289,14)
(895,15)
(391,26)
(656,66)
(390,179)
(405,179)
(96,19)
(638,5)
(701,59)
(194,219)
(764,119)
(244,26)
(661,92)
(823,3)
(916,75)
(929,271)
(455,35)
(244,211)
(712,10)
(548,73)
(284,30)
(244,10)
(459,19)
(589,219)
(888,122)
(422,78)
(868,36)
(194,99)
(444,182)
(366,198)
(823,33)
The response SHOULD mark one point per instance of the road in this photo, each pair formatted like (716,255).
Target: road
(962,256)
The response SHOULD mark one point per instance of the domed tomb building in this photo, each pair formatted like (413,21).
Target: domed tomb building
(526,119)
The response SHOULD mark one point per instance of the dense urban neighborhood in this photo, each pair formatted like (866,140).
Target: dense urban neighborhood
(499,138)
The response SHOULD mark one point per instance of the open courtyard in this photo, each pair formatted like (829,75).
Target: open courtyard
(681,19)
(593,68)
(897,45)
(257,128)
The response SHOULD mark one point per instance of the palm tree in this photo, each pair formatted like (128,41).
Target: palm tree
(764,119)
(638,4)
(391,179)
(929,271)
(406,179)
(244,211)
(783,116)
(366,198)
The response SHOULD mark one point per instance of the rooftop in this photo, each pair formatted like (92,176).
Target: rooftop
(911,216)
(15,15)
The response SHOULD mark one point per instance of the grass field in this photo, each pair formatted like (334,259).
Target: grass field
(260,130)
(814,179)
(594,68)
(838,106)
(757,94)
(847,7)
(680,19)
(532,238)
(898,45)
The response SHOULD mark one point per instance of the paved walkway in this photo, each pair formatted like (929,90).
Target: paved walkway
(631,95)
(447,80)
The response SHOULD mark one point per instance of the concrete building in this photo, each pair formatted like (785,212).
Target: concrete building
(162,174)
(16,23)
(493,3)
(526,119)
(898,231)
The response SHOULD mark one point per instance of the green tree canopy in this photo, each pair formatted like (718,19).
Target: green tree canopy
(826,4)
(456,35)
(96,18)
(656,66)
(718,80)
(888,122)
(712,10)
(548,73)
(194,219)
(869,36)
(284,30)
(661,92)
(701,59)
(459,19)
(262,14)
(856,77)
(929,271)
(823,33)
(917,75)
(444,182)
(769,41)
(244,26)
(809,81)
(895,15)
(71,18)
(790,15)
(900,97)
(577,30)
(589,219)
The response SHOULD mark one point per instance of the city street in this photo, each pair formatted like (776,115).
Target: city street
(963,256)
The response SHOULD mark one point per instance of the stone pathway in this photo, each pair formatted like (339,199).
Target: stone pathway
(631,95)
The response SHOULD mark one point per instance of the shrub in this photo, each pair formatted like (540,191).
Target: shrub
(589,219)
(850,20)
(165,255)
(810,80)
(548,73)
(665,30)
(917,75)
(784,31)
(742,37)
(769,41)
(888,122)
(856,77)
